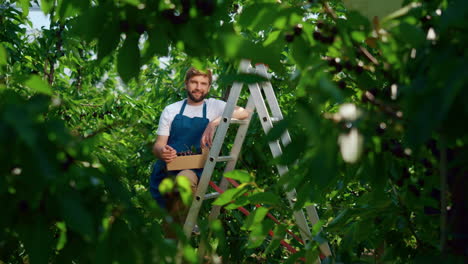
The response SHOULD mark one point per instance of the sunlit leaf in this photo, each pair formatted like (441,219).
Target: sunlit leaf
(166,186)
(255,218)
(229,195)
(185,189)
(3,56)
(242,176)
(37,84)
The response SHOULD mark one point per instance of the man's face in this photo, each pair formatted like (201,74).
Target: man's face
(197,88)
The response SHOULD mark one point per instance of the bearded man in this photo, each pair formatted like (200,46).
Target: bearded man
(184,125)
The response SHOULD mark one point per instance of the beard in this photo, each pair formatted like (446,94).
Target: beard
(196,100)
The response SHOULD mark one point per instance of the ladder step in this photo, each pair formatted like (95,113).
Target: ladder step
(225,158)
(211,195)
(276,119)
(238,121)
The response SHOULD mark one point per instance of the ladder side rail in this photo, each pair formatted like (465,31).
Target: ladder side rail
(224,184)
(276,151)
(211,161)
(314,218)
(286,139)
(272,101)
(235,151)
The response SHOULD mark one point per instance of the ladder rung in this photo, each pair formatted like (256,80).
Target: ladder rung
(211,195)
(238,121)
(225,158)
(276,119)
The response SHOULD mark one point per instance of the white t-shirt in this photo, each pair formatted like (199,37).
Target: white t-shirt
(214,109)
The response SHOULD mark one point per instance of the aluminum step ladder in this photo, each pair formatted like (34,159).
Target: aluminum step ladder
(256,102)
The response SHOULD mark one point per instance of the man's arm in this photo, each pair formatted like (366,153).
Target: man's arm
(207,137)
(163,151)
(240,113)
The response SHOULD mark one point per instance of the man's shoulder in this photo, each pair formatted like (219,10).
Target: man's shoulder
(174,106)
(215,101)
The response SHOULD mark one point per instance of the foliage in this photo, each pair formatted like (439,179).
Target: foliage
(375,107)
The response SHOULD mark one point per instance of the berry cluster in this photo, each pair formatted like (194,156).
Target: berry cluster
(188,153)
(325,33)
(289,37)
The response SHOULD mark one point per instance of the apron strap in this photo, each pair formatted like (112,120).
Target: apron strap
(204,109)
(185,103)
(183,107)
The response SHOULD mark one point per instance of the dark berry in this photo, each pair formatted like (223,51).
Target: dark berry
(414,190)
(298,29)
(348,66)
(320,24)
(140,28)
(289,37)
(399,182)
(380,130)
(317,36)
(358,69)
(173,18)
(435,193)
(338,67)
(23,206)
(397,150)
(328,39)
(426,163)
(431,210)
(342,84)
(421,182)
(124,26)
(206,7)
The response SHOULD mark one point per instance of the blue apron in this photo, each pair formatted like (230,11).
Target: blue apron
(185,134)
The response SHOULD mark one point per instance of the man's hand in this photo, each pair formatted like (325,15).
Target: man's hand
(207,137)
(168,154)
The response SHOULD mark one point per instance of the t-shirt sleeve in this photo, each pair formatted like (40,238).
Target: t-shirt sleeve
(220,105)
(164,126)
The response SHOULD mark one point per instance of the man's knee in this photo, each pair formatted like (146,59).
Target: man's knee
(191,176)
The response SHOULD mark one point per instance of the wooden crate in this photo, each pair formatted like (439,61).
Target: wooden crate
(188,162)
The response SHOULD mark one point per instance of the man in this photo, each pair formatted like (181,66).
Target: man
(184,125)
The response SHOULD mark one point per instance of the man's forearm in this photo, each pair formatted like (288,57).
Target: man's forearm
(157,150)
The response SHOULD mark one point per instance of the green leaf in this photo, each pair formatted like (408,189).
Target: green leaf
(185,189)
(278,235)
(190,254)
(25,7)
(259,233)
(70,8)
(62,227)
(3,55)
(128,61)
(239,175)
(46,6)
(37,240)
(410,34)
(229,196)
(264,198)
(258,17)
(240,201)
(132,2)
(242,78)
(255,218)
(109,40)
(37,84)
(76,216)
(158,43)
(167,185)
